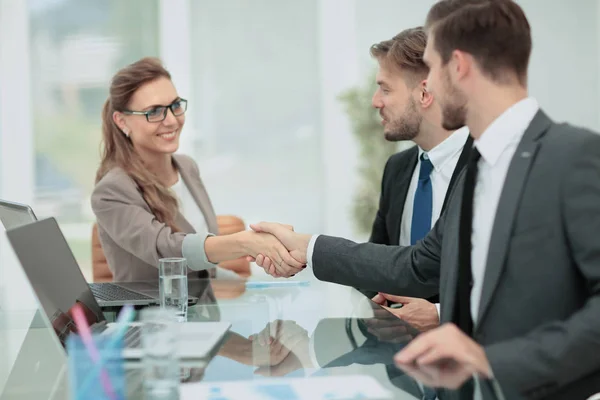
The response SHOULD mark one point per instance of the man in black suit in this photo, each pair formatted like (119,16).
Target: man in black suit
(415,181)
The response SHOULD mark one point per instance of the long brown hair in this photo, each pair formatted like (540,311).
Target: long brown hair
(117,148)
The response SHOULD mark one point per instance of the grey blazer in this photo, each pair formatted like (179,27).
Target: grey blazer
(132,239)
(539,317)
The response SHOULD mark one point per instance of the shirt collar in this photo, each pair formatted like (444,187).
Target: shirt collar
(508,128)
(444,151)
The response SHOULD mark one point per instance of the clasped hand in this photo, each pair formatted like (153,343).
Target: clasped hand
(289,256)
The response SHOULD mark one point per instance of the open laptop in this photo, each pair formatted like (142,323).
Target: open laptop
(14,215)
(59,284)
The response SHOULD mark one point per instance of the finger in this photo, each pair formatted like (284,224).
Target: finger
(256,227)
(398,299)
(266,227)
(288,227)
(379,299)
(415,349)
(267,263)
(417,373)
(272,271)
(250,259)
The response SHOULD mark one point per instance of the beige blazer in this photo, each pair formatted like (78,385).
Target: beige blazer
(132,239)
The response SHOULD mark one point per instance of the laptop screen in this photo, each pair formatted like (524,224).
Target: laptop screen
(13,215)
(54,274)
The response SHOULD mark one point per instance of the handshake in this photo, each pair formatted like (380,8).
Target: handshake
(276,248)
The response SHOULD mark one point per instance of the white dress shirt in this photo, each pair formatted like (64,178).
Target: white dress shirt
(189,208)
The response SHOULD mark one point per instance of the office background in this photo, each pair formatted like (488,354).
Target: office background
(263,79)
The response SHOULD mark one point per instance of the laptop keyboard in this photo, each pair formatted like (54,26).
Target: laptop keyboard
(108,292)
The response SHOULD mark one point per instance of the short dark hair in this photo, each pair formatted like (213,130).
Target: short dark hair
(404,52)
(495,32)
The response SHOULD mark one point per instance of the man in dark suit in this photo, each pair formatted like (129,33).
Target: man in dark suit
(516,257)
(415,181)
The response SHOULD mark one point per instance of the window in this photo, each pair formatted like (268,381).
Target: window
(76,46)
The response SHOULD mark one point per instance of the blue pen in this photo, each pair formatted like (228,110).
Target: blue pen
(274,284)
(126,315)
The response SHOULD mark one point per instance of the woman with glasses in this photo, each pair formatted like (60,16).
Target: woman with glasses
(141,181)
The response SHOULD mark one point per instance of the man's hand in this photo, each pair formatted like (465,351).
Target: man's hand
(444,357)
(388,330)
(295,243)
(419,313)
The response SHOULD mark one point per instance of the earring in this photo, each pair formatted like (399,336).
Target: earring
(126,132)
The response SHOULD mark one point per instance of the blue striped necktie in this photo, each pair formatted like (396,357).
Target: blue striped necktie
(423,203)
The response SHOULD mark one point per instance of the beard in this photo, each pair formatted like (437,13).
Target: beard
(405,127)
(454,107)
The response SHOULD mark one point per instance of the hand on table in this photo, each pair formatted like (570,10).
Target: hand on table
(419,313)
(443,357)
(295,243)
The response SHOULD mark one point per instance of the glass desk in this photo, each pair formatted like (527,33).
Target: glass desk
(320,329)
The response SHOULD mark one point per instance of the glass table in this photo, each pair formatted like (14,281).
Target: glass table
(304,330)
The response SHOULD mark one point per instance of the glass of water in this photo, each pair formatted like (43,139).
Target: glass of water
(173,285)
(160,361)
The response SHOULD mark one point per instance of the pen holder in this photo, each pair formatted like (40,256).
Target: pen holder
(103,378)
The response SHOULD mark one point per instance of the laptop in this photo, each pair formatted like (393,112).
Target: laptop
(59,284)
(14,215)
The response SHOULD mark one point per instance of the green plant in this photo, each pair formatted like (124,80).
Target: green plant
(374,152)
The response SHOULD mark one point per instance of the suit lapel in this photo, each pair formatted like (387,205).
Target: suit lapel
(196,188)
(460,164)
(510,197)
(403,177)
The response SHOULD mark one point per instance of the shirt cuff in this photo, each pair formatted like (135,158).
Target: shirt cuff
(193,251)
(437,307)
(310,250)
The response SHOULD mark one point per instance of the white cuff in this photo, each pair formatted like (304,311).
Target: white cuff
(193,251)
(437,307)
(310,250)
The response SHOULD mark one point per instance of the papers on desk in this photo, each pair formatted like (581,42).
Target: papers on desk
(315,388)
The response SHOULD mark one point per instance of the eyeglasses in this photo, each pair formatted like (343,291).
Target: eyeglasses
(158,114)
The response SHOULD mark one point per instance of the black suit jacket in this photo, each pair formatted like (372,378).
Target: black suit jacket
(394,189)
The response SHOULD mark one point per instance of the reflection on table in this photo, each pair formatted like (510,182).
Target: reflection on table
(318,329)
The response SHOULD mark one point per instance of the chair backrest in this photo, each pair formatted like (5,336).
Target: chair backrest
(100,270)
(228,224)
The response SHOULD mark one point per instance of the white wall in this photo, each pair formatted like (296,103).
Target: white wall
(16,144)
